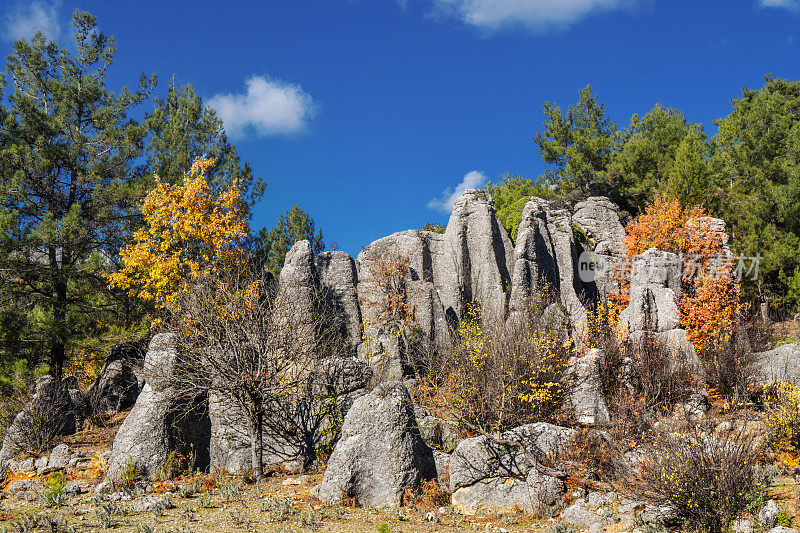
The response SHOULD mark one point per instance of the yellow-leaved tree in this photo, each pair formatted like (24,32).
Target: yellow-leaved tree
(188,232)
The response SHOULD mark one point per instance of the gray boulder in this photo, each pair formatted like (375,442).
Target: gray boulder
(119,382)
(598,219)
(59,459)
(424,251)
(654,292)
(25,485)
(768,515)
(532,494)
(155,426)
(779,364)
(586,393)
(534,257)
(782,529)
(579,516)
(380,452)
(480,257)
(484,474)
(545,258)
(291,436)
(653,307)
(59,407)
(338,276)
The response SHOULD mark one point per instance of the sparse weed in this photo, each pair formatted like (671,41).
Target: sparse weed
(240,519)
(54,494)
(561,528)
(204,500)
(279,509)
(229,490)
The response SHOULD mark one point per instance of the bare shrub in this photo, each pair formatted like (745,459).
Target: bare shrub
(500,375)
(390,322)
(45,417)
(242,340)
(706,477)
(730,367)
(661,379)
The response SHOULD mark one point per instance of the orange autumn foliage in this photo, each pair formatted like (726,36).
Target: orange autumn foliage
(709,304)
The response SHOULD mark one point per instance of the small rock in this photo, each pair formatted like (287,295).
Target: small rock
(596,528)
(594,500)
(768,514)
(299,480)
(577,515)
(72,489)
(661,514)
(742,526)
(782,529)
(432,517)
(25,485)
(104,487)
(59,460)
(629,506)
(152,503)
(25,465)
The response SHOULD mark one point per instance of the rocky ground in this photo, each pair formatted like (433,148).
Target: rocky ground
(206,503)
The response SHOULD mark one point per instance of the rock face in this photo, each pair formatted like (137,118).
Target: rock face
(549,256)
(598,218)
(779,364)
(60,407)
(380,453)
(153,429)
(485,475)
(119,382)
(338,276)
(654,292)
(472,261)
(586,395)
(290,438)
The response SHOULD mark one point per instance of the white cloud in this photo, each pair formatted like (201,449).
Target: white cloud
(471,180)
(791,5)
(270,107)
(25,18)
(535,15)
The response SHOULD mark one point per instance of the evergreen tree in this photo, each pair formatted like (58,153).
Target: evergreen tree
(758,162)
(181,131)
(509,198)
(68,185)
(578,144)
(271,246)
(644,161)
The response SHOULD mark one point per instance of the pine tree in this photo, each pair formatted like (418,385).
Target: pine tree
(69,184)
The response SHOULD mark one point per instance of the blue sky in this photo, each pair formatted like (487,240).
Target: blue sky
(369,113)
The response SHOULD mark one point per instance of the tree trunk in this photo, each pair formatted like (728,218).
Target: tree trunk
(58,351)
(257,447)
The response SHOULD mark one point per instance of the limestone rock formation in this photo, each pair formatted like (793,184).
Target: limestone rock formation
(586,394)
(779,364)
(60,406)
(598,219)
(473,261)
(149,432)
(339,278)
(653,307)
(485,475)
(119,382)
(290,437)
(380,452)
